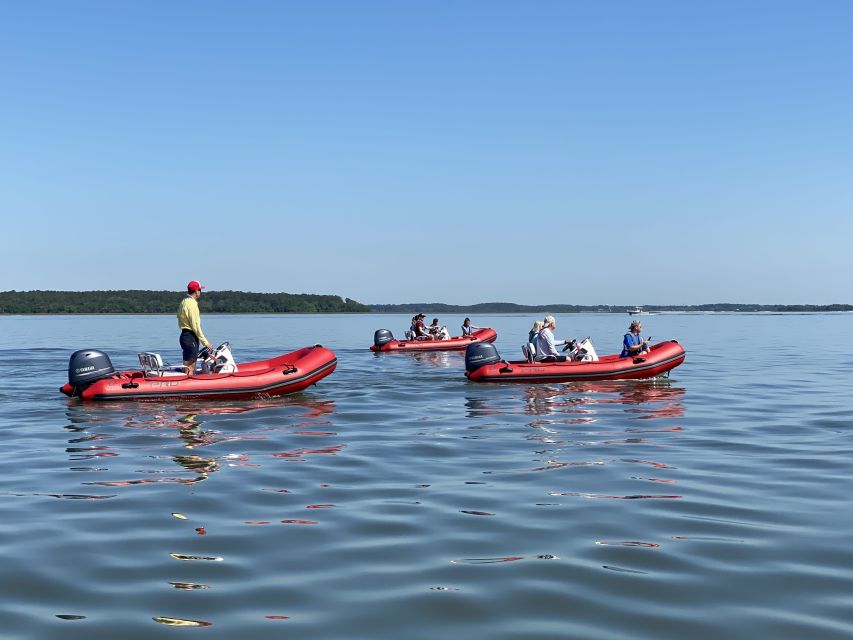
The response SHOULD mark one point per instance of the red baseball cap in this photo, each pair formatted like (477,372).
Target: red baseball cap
(193,285)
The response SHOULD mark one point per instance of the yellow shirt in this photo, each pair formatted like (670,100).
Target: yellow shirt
(190,318)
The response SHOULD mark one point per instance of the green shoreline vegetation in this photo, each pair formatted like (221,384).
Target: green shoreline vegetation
(135,301)
(159,302)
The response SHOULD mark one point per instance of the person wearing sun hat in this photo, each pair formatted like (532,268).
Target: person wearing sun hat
(189,322)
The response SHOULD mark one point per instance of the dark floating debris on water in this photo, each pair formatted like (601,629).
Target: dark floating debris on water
(487,560)
(622,569)
(189,586)
(181,556)
(181,622)
(75,496)
(627,543)
(606,497)
(69,616)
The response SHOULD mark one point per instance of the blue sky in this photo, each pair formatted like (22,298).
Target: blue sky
(533,152)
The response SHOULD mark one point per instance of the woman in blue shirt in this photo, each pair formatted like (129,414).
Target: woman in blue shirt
(633,344)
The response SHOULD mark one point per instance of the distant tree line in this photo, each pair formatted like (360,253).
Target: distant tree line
(26,302)
(509,307)
(136,301)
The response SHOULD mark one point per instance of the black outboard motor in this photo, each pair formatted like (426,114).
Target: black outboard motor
(479,354)
(382,336)
(87,366)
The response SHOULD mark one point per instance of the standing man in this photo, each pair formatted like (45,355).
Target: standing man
(189,322)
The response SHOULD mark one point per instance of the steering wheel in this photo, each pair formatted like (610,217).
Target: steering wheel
(570,345)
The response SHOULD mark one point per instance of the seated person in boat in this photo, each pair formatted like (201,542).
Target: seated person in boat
(633,343)
(421,332)
(468,328)
(533,335)
(546,347)
(411,331)
(437,331)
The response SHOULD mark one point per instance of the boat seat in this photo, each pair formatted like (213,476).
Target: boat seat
(529,351)
(166,373)
(153,366)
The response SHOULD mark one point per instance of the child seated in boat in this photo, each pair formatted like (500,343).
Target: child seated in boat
(468,328)
(437,331)
(633,343)
(533,335)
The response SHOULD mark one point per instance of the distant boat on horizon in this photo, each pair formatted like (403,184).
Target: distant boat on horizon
(638,311)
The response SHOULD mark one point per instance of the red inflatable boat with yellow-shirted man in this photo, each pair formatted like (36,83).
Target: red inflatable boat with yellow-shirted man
(91,376)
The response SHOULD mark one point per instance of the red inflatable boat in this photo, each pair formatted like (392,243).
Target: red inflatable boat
(384,341)
(91,377)
(484,365)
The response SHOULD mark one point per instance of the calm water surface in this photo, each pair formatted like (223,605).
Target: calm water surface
(398,500)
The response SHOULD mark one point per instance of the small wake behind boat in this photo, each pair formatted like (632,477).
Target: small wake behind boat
(383,340)
(91,377)
(483,364)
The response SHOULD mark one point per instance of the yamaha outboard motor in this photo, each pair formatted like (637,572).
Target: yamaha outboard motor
(479,354)
(87,366)
(382,336)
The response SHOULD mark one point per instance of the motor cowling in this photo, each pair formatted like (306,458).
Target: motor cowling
(382,337)
(87,366)
(479,354)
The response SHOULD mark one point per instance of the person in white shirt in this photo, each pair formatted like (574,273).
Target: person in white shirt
(546,347)
(468,328)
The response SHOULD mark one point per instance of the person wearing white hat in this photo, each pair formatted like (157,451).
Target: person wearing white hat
(546,349)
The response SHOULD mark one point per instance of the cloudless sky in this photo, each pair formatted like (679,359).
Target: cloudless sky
(659,152)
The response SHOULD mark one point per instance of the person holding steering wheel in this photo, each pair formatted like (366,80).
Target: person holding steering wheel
(546,347)
(633,344)
(189,322)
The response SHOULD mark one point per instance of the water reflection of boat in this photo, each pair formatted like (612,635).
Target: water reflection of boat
(652,398)
(436,358)
(98,412)
(186,420)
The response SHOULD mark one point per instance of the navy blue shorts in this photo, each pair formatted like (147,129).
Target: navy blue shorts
(189,343)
